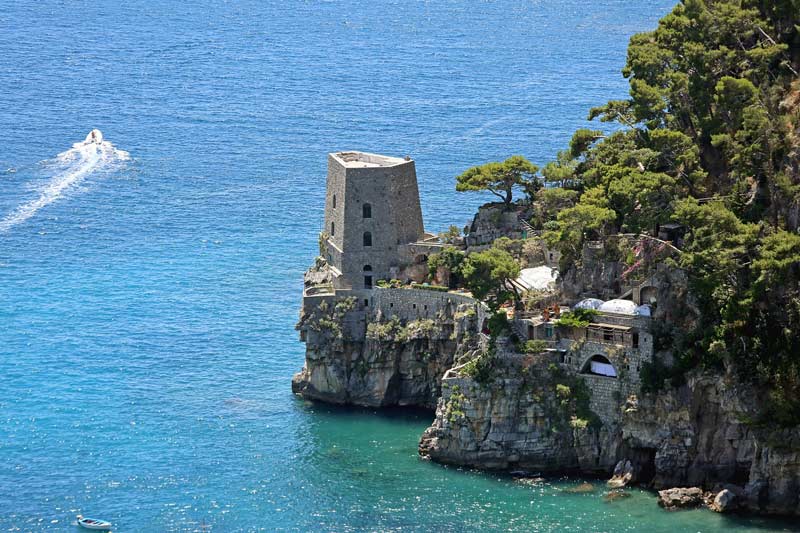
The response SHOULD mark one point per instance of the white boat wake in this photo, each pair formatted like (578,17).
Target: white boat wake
(71,167)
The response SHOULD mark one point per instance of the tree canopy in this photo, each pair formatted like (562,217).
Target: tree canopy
(500,179)
(486,274)
(709,138)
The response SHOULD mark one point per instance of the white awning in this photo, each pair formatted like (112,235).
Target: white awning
(603,369)
(541,278)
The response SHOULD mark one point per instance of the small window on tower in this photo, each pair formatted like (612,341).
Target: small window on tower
(333,229)
(367,210)
(367,238)
(367,268)
(334,201)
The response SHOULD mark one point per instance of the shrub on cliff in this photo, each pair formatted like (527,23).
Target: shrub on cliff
(532,346)
(451,259)
(384,331)
(577,318)
(481,369)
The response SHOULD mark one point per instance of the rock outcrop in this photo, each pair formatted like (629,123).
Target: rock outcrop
(500,409)
(680,498)
(701,434)
(356,355)
(624,475)
(724,501)
(526,415)
(694,435)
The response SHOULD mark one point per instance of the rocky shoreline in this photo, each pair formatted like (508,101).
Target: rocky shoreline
(696,443)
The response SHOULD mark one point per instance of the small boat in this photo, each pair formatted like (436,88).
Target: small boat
(95,137)
(93,523)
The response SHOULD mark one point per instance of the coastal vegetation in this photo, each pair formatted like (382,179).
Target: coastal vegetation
(501,178)
(577,318)
(709,139)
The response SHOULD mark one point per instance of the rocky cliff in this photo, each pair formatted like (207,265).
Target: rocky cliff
(530,416)
(386,353)
(523,413)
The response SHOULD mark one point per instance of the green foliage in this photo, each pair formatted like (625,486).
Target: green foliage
(390,284)
(713,114)
(563,392)
(384,331)
(577,318)
(576,225)
(394,331)
(512,246)
(451,259)
(323,244)
(582,140)
(486,274)
(329,320)
(532,346)
(451,236)
(582,396)
(501,178)
(578,423)
(454,409)
(551,201)
(560,172)
(480,369)
(653,374)
(498,324)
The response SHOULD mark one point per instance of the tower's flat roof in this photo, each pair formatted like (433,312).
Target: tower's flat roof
(367,160)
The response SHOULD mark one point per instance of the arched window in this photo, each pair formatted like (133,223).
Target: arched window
(333,229)
(367,238)
(367,268)
(334,201)
(366,210)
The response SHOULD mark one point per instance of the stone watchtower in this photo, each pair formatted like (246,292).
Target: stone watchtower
(372,213)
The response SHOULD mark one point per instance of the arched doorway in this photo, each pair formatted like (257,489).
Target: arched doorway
(648,295)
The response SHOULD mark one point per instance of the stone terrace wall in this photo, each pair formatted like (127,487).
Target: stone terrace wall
(415,304)
(404,304)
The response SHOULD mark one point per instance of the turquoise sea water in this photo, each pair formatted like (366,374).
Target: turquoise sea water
(147,302)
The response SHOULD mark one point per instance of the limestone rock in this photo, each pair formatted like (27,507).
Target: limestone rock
(623,475)
(724,501)
(355,355)
(680,498)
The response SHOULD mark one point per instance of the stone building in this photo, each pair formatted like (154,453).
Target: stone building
(608,354)
(373,221)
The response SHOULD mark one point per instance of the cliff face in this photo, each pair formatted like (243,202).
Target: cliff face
(388,352)
(694,435)
(528,416)
(701,434)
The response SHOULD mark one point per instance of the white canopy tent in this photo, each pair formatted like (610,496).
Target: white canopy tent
(623,307)
(589,303)
(541,278)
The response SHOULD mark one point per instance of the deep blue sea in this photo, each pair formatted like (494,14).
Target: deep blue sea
(149,285)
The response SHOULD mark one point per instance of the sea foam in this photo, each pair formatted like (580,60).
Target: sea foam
(68,170)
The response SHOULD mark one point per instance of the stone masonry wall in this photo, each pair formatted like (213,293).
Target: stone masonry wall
(395,216)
